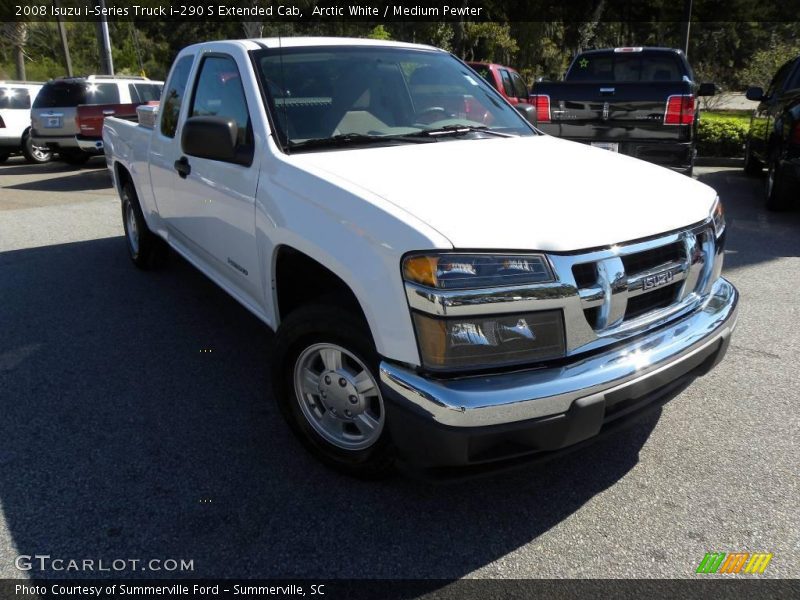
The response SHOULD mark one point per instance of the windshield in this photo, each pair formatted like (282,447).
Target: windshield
(326,97)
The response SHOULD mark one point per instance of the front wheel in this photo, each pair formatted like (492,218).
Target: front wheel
(325,381)
(35,154)
(752,166)
(775,192)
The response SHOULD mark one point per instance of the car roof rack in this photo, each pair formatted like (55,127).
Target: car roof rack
(139,77)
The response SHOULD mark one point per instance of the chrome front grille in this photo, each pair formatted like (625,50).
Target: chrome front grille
(633,282)
(606,295)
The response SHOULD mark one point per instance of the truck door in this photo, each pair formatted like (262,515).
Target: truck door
(212,210)
(764,115)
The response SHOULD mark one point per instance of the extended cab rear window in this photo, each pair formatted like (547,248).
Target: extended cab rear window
(14,98)
(626,66)
(73,93)
(144,92)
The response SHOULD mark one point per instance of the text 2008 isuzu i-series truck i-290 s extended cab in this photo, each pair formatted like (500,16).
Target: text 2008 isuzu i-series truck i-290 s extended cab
(425,313)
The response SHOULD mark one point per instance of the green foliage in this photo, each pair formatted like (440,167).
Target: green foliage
(765,63)
(379,33)
(721,136)
(489,41)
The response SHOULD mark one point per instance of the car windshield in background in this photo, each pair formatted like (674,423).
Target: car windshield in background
(14,98)
(626,66)
(345,96)
(73,93)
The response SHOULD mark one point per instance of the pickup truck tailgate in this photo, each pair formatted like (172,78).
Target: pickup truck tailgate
(614,111)
(90,117)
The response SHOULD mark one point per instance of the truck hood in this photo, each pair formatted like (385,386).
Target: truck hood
(528,193)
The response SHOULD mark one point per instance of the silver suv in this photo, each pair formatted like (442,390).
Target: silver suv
(53,118)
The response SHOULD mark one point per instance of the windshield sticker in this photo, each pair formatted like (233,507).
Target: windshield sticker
(583,63)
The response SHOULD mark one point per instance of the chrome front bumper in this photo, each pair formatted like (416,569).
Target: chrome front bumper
(646,362)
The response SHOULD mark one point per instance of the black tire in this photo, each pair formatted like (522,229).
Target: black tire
(34,154)
(4,157)
(776,193)
(752,166)
(74,157)
(300,332)
(146,249)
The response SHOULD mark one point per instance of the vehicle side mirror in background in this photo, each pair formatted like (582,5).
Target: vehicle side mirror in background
(527,111)
(210,137)
(754,93)
(707,89)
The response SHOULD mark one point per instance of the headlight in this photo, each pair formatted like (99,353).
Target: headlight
(466,271)
(481,342)
(718,217)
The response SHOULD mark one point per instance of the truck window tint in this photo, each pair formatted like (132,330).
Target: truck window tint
(61,94)
(520,89)
(15,98)
(102,93)
(171,106)
(144,92)
(508,87)
(635,66)
(219,93)
(794,81)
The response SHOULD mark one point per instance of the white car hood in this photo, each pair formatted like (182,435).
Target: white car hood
(529,193)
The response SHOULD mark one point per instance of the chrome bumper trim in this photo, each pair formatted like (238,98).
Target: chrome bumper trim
(510,397)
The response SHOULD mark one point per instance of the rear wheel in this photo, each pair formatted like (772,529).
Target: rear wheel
(775,192)
(3,157)
(35,154)
(147,250)
(74,157)
(325,381)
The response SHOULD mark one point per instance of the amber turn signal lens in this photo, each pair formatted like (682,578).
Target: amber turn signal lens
(421,269)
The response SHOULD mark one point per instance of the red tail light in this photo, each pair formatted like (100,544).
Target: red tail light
(680,110)
(542,108)
(2,123)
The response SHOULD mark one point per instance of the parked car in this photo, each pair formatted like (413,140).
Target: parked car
(639,101)
(89,120)
(15,121)
(774,136)
(54,116)
(425,313)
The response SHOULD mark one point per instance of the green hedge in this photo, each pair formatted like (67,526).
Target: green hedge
(721,136)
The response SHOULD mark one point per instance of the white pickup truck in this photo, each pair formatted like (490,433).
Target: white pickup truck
(449,286)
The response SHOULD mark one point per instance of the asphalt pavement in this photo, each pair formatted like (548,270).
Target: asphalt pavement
(123,437)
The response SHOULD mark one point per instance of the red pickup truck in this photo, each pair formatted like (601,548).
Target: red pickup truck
(509,83)
(89,119)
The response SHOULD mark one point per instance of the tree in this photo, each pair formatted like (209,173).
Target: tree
(17,35)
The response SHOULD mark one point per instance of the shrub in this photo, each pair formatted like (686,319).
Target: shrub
(721,136)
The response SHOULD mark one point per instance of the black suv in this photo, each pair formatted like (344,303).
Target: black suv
(774,137)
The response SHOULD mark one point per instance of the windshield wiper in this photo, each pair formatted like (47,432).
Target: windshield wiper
(350,139)
(458,130)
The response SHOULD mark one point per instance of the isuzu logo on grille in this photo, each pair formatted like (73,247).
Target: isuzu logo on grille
(658,279)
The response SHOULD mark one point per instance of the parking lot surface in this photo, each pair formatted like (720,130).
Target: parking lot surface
(135,422)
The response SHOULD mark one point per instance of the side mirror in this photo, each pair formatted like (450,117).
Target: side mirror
(707,89)
(527,111)
(756,94)
(210,137)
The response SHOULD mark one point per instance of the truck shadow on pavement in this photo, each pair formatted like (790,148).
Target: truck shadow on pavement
(755,235)
(19,166)
(76,181)
(136,424)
